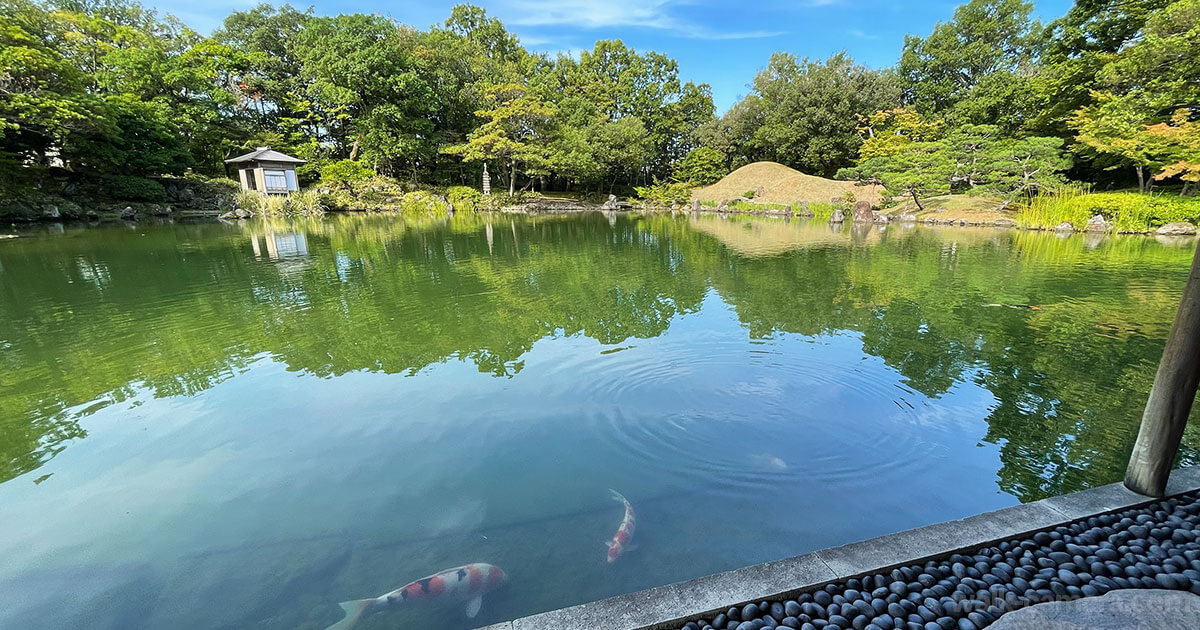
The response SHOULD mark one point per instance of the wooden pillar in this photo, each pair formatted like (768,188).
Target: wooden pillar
(1171,397)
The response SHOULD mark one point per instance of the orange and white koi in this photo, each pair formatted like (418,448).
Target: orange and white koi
(467,583)
(621,540)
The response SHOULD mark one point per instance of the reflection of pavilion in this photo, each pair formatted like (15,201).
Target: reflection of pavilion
(278,246)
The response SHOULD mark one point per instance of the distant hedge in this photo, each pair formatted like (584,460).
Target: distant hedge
(131,188)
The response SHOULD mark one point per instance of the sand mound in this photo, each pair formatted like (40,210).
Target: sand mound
(782,184)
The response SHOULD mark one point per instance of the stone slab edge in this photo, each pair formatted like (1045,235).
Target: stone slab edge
(674,604)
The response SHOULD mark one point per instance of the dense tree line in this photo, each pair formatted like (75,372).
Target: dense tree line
(990,101)
(108,86)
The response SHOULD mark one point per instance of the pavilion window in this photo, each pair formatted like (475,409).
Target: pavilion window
(275,180)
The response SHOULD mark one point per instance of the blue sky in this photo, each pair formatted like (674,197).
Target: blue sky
(718,42)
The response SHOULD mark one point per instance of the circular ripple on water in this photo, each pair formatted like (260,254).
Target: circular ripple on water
(753,415)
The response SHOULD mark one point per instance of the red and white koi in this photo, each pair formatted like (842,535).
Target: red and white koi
(467,583)
(621,540)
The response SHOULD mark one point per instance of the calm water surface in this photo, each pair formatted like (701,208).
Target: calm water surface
(217,426)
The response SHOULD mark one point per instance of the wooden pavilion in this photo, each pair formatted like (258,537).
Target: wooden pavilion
(267,171)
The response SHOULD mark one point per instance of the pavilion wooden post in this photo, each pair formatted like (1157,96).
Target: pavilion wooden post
(1171,397)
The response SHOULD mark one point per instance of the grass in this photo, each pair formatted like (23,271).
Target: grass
(782,185)
(973,208)
(304,203)
(754,206)
(1125,211)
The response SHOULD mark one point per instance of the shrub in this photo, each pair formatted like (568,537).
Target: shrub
(497,201)
(821,210)
(306,203)
(346,173)
(131,188)
(424,202)
(463,197)
(250,201)
(702,166)
(661,193)
(749,194)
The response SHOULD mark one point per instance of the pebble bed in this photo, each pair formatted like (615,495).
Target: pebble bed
(1152,547)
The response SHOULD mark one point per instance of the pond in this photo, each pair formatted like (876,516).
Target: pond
(222,426)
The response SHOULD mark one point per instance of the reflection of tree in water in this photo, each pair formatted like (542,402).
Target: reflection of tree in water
(107,315)
(1069,379)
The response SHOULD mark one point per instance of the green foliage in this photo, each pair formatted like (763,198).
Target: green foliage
(822,210)
(672,193)
(1127,212)
(499,201)
(702,166)
(463,198)
(976,159)
(346,173)
(804,113)
(421,202)
(887,132)
(113,88)
(985,37)
(515,132)
(133,188)
(306,203)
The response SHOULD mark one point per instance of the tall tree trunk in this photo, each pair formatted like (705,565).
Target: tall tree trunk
(917,200)
(512,177)
(354,149)
(1141,171)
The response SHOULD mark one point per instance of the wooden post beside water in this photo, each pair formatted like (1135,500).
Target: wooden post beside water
(1171,397)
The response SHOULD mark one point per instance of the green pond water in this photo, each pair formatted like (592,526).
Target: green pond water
(224,426)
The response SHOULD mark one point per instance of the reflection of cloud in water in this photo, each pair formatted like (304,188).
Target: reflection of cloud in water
(767,462)
(463,516)
(764,386)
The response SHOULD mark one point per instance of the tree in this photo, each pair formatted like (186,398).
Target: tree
(809,110)
(969,159)
(1162,63)
(1076,47)
(1030,165)
(919,169)
(620,147)
(1178,146)
(984,37)
(41,93)
(733,134)
(887,131)
(1115,128)
(514,132)
(612,82)
(365,81)
(702,166)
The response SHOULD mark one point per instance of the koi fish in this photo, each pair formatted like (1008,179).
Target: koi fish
(466,583)
(620,540)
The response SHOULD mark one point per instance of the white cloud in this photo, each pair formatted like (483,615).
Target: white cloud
(653,14)
(854,32)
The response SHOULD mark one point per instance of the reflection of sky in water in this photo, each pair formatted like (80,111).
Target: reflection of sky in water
(271,460)
(378,414)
